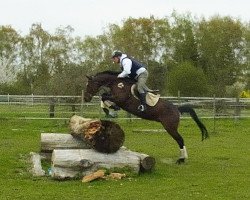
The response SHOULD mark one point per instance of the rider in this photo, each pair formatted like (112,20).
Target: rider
(134,70)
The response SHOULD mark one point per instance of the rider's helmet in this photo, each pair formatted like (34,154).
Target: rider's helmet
(116,53)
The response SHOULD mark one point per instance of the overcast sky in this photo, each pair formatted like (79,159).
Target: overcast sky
(90,17)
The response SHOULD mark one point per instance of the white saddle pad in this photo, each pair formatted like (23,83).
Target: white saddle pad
(151,99)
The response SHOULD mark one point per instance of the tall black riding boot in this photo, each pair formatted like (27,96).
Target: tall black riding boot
(115,107)
(106,111)
(143,105)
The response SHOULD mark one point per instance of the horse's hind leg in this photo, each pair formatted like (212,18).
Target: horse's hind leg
(171,128)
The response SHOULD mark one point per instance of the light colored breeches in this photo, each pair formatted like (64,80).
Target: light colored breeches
(107,104)
(141,82)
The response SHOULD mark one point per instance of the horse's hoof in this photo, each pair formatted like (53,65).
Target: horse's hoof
(180,161)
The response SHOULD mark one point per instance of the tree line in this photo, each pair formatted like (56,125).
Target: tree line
(196,56)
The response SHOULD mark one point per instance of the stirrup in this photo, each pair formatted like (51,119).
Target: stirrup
(142,108)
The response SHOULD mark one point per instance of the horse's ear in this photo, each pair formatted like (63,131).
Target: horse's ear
(89,77)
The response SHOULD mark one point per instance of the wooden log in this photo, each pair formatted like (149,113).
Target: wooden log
(147,163)
(51,141)
(36,166)
(87,158)
(61,173)
(96,175)
(104,136)
(79,162)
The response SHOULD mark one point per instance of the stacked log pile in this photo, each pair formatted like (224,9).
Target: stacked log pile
(90,146)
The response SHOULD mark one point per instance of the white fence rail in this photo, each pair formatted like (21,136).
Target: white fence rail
(39,106)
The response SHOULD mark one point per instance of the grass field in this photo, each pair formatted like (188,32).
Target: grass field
(217,168)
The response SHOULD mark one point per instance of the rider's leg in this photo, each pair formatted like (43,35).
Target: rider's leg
(105,108)
(112,105)
(141,84)
(143,106)
(106,105)
(109,104)
(106,111)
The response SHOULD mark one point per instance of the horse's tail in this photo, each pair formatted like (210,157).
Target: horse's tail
(188,109)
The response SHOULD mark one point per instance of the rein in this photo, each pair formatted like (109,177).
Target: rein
(110,82)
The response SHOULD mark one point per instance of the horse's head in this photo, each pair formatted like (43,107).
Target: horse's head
(106,78)
(92,88)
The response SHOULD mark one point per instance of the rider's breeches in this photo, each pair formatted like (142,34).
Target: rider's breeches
(106,104)
(141,82)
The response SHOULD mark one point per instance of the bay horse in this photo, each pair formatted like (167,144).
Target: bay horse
(164,111)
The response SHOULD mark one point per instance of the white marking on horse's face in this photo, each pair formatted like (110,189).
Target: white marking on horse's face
(120,85)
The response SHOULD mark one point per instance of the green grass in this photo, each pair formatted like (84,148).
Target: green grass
(217,168)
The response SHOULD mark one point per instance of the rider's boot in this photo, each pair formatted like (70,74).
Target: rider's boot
(143,106)
(106,111)
(109,113)
(115,107)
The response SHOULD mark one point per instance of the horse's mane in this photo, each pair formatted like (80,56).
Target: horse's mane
(115,73)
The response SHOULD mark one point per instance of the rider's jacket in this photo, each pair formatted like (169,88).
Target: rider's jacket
(130,67)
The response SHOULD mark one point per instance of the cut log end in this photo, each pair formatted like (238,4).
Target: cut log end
(109,139)
(147,164)
(102,135)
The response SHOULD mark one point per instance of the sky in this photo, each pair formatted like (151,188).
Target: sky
(91,17)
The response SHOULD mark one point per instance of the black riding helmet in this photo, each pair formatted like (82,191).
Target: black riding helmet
(116,53)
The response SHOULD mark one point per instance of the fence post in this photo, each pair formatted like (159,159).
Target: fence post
(8,99)
(214,111)
(32,99)
(179,97)
(51,107)
(237,108)
(81,112)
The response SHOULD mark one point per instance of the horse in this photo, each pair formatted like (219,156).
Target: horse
(164,111)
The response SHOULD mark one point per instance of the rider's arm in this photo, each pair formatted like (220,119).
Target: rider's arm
(126,64)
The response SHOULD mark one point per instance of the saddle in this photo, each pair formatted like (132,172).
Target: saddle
(151,98)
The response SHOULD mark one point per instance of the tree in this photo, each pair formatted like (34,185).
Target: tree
(246,72)
(9,47)
(158,76)
(33,60)
(187,79)
(221,52)
(43,55)
(184,44)
(69,82)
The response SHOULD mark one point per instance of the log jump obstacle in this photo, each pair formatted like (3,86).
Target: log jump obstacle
(89,146)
